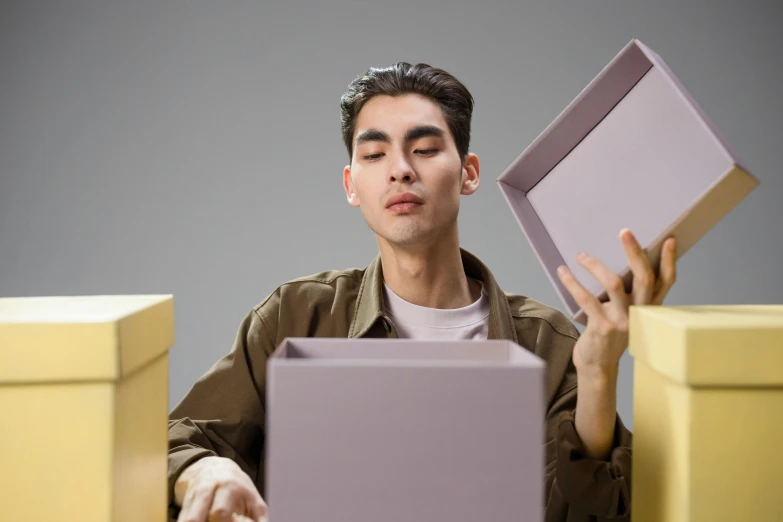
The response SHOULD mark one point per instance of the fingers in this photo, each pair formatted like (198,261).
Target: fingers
(195,507)
(586,300)
(228,500)
(611,282)
(646,289)
(667,273)
(643,274)
(257,510)
(242,518)
(224,503)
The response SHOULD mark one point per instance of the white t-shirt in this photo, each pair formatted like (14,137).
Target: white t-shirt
(419,322)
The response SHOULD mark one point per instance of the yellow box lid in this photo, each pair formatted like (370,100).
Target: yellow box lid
(718,345)
(46,339)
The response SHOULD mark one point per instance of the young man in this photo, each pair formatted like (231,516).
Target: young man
(407,132)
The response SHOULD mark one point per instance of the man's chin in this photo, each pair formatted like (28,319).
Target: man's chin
(408,238)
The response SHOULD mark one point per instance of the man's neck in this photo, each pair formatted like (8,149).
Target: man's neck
(431,275)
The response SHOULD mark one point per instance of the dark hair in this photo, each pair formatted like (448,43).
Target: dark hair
(402,78)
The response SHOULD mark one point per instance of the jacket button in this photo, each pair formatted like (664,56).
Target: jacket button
(386,325)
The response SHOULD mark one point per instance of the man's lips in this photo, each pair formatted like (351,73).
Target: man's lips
(404,202)
(400,208)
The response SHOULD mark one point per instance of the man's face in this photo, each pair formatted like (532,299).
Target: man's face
(403,149)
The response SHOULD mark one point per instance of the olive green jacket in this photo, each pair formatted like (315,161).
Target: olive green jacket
(224,413)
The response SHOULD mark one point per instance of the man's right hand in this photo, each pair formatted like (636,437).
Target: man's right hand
(215,489)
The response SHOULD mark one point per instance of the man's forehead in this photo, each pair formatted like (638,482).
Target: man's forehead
(396,116)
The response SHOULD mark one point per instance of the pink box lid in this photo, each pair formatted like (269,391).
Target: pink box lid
(633,150)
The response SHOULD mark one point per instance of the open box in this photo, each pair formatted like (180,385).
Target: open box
(389,429)
(633,150)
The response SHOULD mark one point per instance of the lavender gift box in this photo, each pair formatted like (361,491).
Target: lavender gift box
(632,150)
(389,430)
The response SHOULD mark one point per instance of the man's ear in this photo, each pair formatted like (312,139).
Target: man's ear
(350,190)
(471,174)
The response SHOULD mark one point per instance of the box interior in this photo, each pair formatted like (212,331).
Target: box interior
(584,113)
(398,350)
(640,168)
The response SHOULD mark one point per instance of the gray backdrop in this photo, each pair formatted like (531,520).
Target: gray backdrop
(193,148)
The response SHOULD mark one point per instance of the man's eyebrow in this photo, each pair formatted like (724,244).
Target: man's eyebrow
(372,135)
(421,131)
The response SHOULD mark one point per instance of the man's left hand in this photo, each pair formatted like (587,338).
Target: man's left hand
(599,348)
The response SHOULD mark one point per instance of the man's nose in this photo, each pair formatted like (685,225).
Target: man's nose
(400,170)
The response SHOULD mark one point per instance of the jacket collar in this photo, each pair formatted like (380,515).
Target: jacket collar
(370,307)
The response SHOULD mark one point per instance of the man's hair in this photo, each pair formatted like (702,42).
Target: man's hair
(403,78)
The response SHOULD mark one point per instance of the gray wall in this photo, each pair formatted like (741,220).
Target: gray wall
(193,148)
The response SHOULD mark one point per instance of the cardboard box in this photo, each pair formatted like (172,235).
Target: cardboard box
(84,396)
(633,150)
(389,430)
(708,413)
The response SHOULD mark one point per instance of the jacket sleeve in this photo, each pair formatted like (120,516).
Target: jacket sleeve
(223,414)
(578,488)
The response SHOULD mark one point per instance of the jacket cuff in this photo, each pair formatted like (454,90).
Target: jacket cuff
(598,487)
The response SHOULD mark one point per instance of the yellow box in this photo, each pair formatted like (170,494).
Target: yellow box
(708,413)
(84,402)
